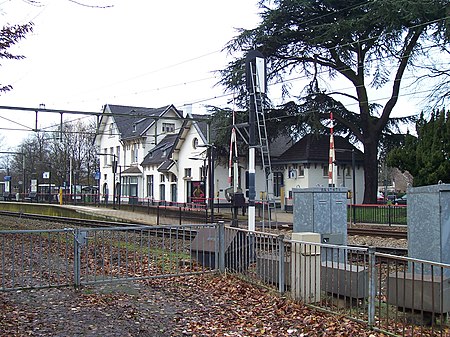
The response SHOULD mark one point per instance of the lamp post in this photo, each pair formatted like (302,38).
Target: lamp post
(114,171)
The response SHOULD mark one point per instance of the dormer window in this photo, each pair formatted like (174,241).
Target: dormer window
(134,127)
(168,127)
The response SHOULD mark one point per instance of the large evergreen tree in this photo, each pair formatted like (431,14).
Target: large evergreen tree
(364,43)
(426,157)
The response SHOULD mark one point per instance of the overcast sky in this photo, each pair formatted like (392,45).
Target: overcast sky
(137,52)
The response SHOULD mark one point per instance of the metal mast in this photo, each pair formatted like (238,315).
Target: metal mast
(256,87)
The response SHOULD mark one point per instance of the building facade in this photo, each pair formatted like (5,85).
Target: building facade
(159,155)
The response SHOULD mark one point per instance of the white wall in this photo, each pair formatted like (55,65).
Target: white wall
(145,144)
(314,177)
(106,141)
(183,161)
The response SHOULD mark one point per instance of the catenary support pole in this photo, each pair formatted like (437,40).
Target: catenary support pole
(255,82)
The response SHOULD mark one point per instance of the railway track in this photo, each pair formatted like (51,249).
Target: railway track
(109,223)
(378,232)
(192,233)
(71,221)
(369,231)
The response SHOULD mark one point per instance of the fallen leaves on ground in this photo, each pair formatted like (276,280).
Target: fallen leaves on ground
(202,305)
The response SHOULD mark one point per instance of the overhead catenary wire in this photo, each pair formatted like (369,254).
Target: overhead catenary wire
(195,58)
(226,95)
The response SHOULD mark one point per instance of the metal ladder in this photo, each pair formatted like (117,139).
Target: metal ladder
(265,154)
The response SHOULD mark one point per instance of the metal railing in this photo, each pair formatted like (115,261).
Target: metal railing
(64,257)
(378,214)
(36,258)
(396,295)
(117,254)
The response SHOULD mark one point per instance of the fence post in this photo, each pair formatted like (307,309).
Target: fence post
(221,246)
(76,258)
(157,214)
(372,291)
(389,215)
(281,271)
(179,215)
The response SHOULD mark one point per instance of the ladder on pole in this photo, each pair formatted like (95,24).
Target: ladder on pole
(269,197)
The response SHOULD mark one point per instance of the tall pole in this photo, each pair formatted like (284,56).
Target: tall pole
(354,184)
(24,186)
(70,179)
(332,157)
(354,177)
(210,151)
(114,170)
(256,82)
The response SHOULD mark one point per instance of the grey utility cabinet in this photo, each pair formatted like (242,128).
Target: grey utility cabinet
(429,223)
(424,288)
(324,211)
(321,210)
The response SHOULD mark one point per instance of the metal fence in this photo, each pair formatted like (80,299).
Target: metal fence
(53,258)
(378,214)
(396,295)
(36,258)
(113,254)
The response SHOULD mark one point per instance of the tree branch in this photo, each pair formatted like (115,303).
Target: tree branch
(406,55)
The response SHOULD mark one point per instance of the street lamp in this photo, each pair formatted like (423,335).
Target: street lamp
(114,171)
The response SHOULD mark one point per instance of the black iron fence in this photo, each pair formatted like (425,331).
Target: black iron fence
(378,214)
(388,214)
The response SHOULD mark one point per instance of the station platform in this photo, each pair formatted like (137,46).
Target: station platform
(151,219)
(117,214)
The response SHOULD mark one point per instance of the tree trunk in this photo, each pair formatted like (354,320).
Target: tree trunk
(370,172)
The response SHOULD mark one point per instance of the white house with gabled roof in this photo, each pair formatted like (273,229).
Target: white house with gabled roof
(125,135)
(163,156)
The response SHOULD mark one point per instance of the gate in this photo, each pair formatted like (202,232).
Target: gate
(36,258)
(73,257)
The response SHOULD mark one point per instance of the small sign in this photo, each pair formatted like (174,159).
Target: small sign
(33,185)
(198,192)
(46,175)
